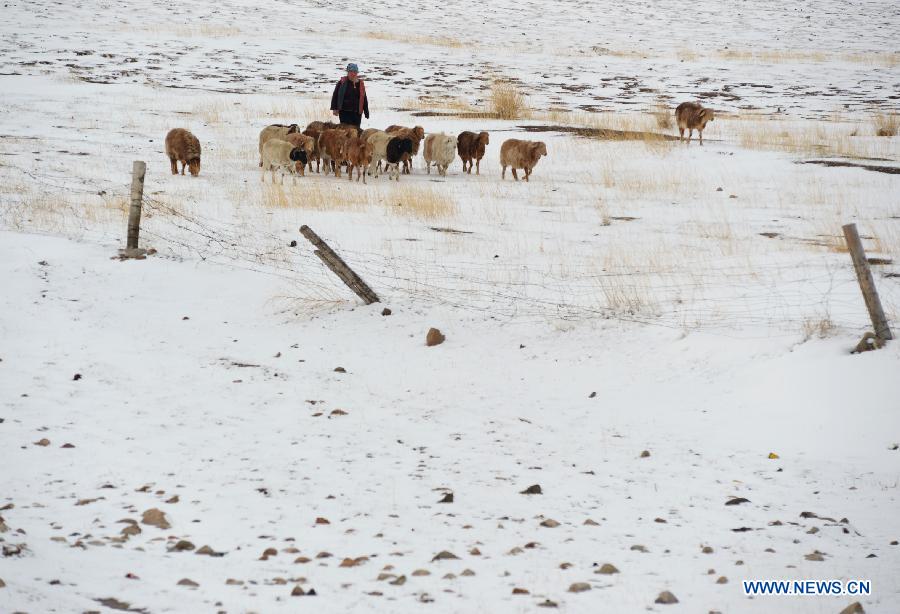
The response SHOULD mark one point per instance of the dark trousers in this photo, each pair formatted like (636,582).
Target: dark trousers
(349,117)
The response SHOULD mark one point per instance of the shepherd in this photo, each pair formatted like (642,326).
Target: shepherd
(349,100)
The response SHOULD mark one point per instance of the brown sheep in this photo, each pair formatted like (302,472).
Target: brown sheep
(275,131)
(415,134)
(182,146)
(521,154)
(332,144)
(307,144)
(692,116)
(358,153)
(471,146)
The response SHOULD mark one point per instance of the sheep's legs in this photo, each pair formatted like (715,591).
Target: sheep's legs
(527,172)
(516,177)
(700,132)
(174,166)
(477,167)
(681,135)
(690,134)
(503,174)
(428,167)
(183,164)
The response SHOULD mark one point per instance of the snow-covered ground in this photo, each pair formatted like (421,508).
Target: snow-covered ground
(636,296)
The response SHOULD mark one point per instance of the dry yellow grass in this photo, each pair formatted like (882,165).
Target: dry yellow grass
(416,201)
(887,59)
(887,124)
(417,39)
(507,101)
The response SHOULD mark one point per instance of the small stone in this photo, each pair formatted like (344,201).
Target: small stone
(592,395)
(853,608)
(591,523)
(737,501)
(447,498)
(639,548)
(386,312)
(773,456)
(324,555)
(187,582)
(292,244)
(449,576)
(321,520)
(579,587)
(565,565)
(398,581)
(467,573)
(645,454)
(267,553)
(546,603)
(298,591)
(534,489)
(181,546)
(156,518)
(173,499)
(706,550)
(302,559)
(421,572)
(475,552)
(67,446)
(607,569)
(2,583)
(132,529)
(340,370)
(722,580)
(44,442)
(550,523)
(521,591)
(76,377)
(233,582)
(444,555)
(814,556)
(666,598)
(207,551)
(434,337)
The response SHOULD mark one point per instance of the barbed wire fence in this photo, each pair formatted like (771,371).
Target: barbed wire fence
(779,297)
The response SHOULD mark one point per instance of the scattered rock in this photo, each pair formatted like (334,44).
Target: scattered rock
(579,587)
(815,555)
(722,580)
(550,523)
(206,550)
(434,337)
(67,446)
(42,442)
(351,562)
(421,572)
(321,520)
(607,569)
(706,550)
(447,498)
(592,395)
(773,456)
(114,604)
(521,591)
(398,581)
(187,582)
(267,553)
(155,518)
(534,489)
(298,591)
(853,608)
(666,598)
(645,454)
(181,546)
(2,583)
(467,573)
(444,555)
(233,582)
(565,565)
(324,555)
(546,603)
(340,370)
(386,312)
(76,377)
(173,499)
(737,501)
(591,523)
(475,552)
(639,548)
(292,244)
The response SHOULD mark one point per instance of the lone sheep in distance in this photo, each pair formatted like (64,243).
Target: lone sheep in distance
(182,146)
(692,116)
(522,154)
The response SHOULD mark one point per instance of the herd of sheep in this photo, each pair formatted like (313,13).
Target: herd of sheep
(288,150)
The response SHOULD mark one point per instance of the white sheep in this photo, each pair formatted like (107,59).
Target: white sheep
(440,149)
(281,155)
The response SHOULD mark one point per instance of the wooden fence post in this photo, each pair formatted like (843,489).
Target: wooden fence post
(339,267)
(867,283)
(139,169)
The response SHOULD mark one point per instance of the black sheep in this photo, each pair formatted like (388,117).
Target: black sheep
(396,147)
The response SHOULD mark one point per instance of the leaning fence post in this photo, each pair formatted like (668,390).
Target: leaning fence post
(138,171)
(867,283)
(339,267)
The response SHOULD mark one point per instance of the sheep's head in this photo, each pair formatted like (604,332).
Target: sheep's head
(484,138)
(419,131)
(706,115)
(539,148)
(194,166)
(298,155)
(293,128)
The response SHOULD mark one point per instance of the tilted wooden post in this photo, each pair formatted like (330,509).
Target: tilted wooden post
(138,171)
(339,267)
(867,283)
